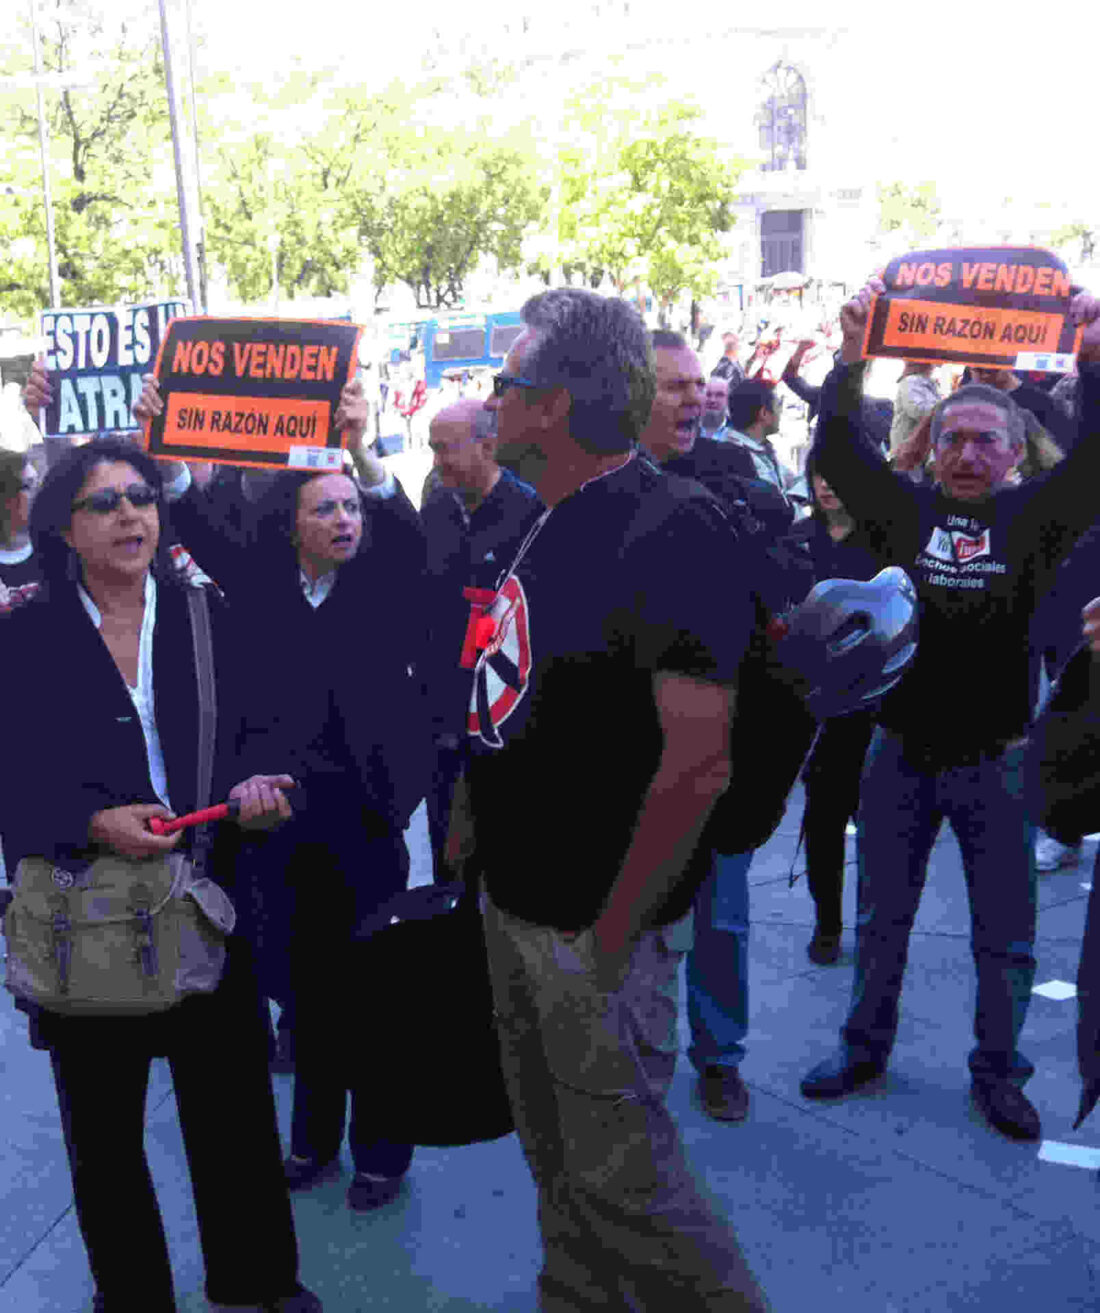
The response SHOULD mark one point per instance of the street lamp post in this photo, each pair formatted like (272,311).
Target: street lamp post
(55,289)
(181,190)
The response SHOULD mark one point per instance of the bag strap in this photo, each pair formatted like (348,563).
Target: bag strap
(199,606)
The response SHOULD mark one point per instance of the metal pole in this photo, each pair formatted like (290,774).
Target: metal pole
(181,189)
(55,290)
(201,243)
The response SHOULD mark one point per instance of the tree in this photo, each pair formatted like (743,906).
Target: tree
(643,195)
(114,209)
(270,186)
(448,199)
(1084,234)
(913,212)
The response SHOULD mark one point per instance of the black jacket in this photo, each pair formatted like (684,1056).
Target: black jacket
(80,745)
(335,696)
(1063,790)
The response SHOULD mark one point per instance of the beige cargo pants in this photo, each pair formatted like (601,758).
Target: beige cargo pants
(624,1223)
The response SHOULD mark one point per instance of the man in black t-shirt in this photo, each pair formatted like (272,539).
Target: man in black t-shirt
(951,736)
(599,730)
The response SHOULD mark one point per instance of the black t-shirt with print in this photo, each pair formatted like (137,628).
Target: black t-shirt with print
(563,726)
(980,569)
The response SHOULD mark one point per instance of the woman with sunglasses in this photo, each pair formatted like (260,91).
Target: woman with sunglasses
(100,756)
(336,699)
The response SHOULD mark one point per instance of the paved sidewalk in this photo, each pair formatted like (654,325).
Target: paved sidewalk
(898,1200)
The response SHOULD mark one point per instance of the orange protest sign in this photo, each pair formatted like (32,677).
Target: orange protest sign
(1002,308)
(259,392)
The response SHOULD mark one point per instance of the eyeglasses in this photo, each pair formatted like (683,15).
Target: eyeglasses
(957,439)
(325,509)
(106,500)
(502,382)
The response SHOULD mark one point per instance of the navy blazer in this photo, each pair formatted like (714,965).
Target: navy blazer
(74,744)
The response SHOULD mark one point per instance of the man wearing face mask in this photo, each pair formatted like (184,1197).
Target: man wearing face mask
(951,736)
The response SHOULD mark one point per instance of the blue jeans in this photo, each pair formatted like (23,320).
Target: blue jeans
(901,811)
(718,965)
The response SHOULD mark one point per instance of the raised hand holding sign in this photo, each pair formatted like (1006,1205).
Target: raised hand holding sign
(1002,307)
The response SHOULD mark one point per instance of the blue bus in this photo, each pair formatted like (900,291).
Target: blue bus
(467,343)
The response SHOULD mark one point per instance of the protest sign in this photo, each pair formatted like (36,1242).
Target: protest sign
(257,392)
(96,357)
(1003,307)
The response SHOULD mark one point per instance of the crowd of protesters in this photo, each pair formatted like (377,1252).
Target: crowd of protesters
(629,528)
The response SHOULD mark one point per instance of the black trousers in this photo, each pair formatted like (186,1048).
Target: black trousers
(831,778)
(339,885)
(216,1046)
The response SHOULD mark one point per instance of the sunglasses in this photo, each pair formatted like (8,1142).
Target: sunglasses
(324,509)
(106,500)
(502,382)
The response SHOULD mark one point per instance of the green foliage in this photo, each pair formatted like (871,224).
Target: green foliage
(115,215)
(643,196)
(455,199)
(269,185)
(420,183)
(911,211)
(1084,234)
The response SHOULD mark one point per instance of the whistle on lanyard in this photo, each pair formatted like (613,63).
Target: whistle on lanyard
(480,628)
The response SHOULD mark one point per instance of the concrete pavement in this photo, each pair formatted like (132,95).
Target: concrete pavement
(897,1199)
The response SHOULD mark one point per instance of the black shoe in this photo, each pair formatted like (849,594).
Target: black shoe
(823,950)
(366,1193)
(302,1301)
(301,1173)
(839,1075)
(724,1094)
(1007,1109)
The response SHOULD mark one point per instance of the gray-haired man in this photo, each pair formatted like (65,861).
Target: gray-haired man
(599,744)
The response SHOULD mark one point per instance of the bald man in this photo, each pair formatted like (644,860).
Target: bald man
(474,514)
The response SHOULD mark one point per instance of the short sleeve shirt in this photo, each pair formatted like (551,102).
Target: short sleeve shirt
(562,722)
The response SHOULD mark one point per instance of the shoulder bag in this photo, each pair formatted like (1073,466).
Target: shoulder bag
(123,936)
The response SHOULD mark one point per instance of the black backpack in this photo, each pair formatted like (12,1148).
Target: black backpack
(772,732)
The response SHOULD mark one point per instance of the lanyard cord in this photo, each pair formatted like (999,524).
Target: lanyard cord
(536,528)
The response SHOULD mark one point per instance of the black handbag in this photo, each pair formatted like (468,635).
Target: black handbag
(430,1056)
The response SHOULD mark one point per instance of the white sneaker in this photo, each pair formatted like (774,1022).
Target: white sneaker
(1050,854)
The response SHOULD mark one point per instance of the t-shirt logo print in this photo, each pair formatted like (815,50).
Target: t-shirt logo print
(503,668)
(967,548)
(940,546)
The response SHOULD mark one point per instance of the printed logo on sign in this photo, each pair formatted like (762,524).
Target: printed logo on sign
(967,548)
(940,545)
(503,668)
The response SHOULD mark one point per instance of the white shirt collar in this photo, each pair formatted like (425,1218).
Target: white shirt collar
(317,590)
